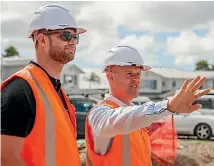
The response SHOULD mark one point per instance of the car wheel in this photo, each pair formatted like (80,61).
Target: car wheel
(203,131)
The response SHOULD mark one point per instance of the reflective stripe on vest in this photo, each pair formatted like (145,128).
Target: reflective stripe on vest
(50,137)
(125,151)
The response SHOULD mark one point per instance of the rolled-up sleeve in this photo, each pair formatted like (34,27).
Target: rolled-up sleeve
(108,122)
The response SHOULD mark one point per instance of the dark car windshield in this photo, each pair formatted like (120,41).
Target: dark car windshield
(82,105)
(208,104)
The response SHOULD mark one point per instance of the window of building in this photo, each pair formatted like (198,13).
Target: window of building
(75,79)
(149,84)
(174,84)
(213,84)
(163,84)
(70,79)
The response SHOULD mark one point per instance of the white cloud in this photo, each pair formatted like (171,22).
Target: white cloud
(102,33)
(10,15)
(170,16)
(152,16)
(147,46)
(15,17)
(96,45)
(102,20)
(188,47)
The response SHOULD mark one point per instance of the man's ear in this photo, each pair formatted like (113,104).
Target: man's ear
(42,39)
(110,76)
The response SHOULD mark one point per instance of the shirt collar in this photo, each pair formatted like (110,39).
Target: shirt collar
(114,99)
(56,82)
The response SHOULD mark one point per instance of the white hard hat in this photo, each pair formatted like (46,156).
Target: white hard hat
(124,56)
(52,17)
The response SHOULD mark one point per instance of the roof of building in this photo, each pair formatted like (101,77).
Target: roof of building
(164,72)
(16,60)
(23,60)
(182,74)
(72,68)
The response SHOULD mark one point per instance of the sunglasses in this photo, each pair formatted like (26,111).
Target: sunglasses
(64,35)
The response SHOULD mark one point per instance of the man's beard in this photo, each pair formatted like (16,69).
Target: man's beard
(58,54)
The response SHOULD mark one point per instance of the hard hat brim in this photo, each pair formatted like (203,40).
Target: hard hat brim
(144,67)
(81,30)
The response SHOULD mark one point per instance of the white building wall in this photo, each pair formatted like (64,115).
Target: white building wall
(209,84)
(9,67)
(180,82)
(7,71)
(70,71)
(150,76)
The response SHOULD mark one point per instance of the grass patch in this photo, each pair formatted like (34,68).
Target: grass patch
(194,141)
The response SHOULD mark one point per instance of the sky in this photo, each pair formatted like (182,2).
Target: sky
(167,34)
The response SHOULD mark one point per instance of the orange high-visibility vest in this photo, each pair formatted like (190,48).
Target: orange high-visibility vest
(131,149)
(52,141)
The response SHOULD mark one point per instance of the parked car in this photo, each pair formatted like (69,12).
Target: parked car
(207,103)
(195,124)
(140,100)
(83,105)
(211,92)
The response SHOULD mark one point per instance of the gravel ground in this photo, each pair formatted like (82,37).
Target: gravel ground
(190,153)
(195,153)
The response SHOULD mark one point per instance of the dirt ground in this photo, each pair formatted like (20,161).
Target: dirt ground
(190,153)
(195,153)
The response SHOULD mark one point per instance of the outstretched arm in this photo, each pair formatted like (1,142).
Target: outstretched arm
(109,122)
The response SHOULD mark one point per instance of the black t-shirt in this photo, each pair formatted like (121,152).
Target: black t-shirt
(18,106)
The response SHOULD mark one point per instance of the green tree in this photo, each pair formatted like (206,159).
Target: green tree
(93,78)
(11,51)
(212,67)
(202,65)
